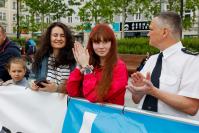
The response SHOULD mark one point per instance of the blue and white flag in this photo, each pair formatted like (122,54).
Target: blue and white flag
(26,111)
(85,117)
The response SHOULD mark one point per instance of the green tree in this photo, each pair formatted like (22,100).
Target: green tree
(60,9)
(95,11)
(39,7)
(43,8)
(152,8)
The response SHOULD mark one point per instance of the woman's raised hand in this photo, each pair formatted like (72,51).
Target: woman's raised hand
(81,54)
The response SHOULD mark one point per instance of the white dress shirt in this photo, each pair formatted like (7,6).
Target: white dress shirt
(179,75)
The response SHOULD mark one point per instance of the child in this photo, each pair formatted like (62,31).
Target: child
(17,70)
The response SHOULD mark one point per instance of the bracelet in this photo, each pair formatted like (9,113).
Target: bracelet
(83,69)
(88,69)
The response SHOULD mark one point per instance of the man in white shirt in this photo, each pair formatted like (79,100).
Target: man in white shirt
(173,88)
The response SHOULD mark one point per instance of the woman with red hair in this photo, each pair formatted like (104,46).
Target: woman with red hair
(99,76)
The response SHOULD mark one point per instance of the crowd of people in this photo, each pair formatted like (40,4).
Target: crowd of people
(167,83)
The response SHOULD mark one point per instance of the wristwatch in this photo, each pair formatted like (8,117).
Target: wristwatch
(87,70)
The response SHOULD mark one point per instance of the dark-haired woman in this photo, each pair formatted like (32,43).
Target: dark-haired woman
(54,59)
(99,76)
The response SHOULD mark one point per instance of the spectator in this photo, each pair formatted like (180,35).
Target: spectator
(54,59)
(30,49)
(8,49)
(100,76)
(173,87)
(17,70)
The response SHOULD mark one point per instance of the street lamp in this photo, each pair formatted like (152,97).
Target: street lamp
(18,33)
(181,13)
(181,9)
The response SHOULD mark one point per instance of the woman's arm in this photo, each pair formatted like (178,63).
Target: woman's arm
(73,85)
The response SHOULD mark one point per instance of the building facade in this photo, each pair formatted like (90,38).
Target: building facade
(8,13)
(135,26)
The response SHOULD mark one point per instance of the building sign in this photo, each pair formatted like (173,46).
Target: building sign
(116,27)
(133,26)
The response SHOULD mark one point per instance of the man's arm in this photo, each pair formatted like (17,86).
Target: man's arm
(180,103)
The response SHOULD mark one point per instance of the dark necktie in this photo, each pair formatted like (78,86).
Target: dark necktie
(150,102)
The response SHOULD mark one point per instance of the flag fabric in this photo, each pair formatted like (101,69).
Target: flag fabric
(85,117)
(26,111)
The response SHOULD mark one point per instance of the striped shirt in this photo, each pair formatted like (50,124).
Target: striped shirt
(57,74)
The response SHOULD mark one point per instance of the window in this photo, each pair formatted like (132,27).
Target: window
(188,14)
(27,17)
(14,17)
(70,2)
(137,16)
(48,20)
(70,19)
(14,5)
(2,3)
(2,16)
(37,19)
(187,11)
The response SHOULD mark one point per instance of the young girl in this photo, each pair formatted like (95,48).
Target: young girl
(17,70)
(100,76)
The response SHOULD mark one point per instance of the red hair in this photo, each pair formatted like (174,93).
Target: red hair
(102,32)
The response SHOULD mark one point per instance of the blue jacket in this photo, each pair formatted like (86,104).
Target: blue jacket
(8,50)
(30,47)
(41,73)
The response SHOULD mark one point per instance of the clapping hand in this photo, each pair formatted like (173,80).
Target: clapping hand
(140,84)
(81,54)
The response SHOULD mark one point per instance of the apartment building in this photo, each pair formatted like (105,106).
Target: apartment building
(8,11)
(194,30)
(136,25)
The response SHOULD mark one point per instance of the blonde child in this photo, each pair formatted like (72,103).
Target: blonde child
(17,70)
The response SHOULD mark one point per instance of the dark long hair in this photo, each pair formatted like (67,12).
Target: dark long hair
(103,32)
(65,56)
